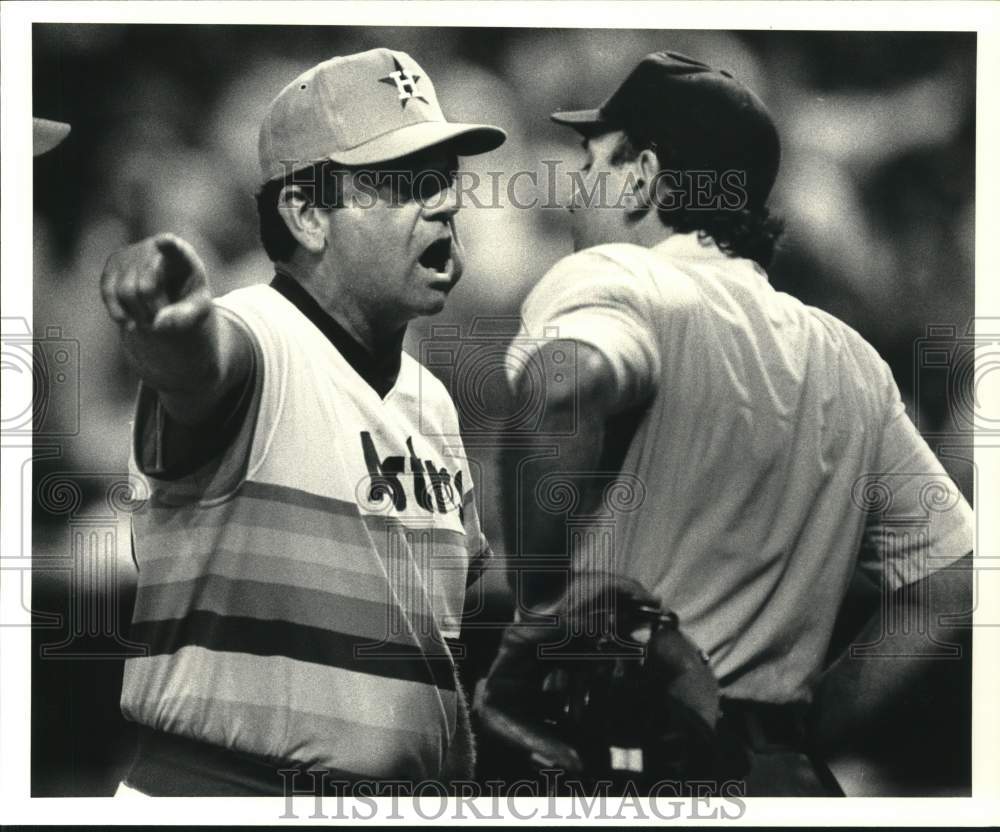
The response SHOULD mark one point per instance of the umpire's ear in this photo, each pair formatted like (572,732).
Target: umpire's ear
(646,174)
(307,222)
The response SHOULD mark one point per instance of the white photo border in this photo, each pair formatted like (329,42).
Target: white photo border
(16,807)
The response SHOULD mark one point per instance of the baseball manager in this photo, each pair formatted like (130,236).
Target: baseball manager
(298,495)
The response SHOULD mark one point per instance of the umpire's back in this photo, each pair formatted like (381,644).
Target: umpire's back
(764,424)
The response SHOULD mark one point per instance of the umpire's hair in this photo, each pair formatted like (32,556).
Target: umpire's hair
(749,232)
(322,185)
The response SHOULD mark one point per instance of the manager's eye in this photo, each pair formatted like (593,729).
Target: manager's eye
(430,183)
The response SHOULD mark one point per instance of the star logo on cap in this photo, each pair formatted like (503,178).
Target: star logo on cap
(406,84)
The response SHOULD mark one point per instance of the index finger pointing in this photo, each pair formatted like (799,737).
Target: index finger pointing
(182,267)
(177,266)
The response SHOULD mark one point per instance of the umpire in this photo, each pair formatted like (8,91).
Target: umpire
(752,429)
(300,484)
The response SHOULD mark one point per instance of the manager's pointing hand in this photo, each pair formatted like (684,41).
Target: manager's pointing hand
(158,284)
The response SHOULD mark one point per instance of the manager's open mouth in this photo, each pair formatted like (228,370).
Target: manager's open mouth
(437,256)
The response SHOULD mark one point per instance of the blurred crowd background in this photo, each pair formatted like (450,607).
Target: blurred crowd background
(876,188)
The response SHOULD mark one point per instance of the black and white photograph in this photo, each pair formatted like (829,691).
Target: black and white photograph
(499,412)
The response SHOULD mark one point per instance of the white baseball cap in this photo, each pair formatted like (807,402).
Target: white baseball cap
(46,134)
(362,109)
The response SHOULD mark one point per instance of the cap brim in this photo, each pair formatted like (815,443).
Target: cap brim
(47,134)
(579,119)
(464,139)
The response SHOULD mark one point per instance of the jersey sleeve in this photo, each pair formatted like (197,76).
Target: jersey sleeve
(212,460)
(921,522)
(600,297)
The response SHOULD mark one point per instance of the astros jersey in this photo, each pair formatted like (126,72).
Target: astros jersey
(296,593)
(769,437)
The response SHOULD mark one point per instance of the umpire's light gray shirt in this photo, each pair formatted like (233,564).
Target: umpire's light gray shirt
(774,453)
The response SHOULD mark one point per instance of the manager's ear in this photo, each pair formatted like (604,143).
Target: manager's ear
(306,222)
(646,169)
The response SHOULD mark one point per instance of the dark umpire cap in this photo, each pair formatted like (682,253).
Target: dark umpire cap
(704,117)
(362,109)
